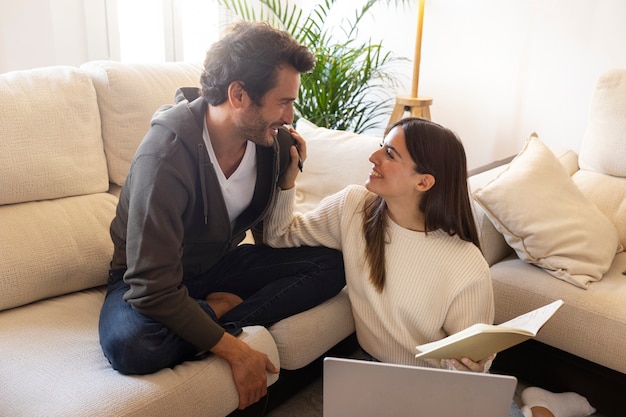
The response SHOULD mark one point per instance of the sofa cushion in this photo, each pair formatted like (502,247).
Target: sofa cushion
(303,337)
(603,148)
(50,143)
(602,177)
(590,324)
(54,343)
(54,247)
(335,159)
(547,220)
(608,193)
(128,96)
(492,242)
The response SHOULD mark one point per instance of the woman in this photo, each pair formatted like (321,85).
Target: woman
(414,269)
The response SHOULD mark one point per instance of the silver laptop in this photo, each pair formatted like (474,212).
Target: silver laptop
(358,388)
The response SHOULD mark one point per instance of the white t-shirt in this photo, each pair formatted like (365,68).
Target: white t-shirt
(239,187)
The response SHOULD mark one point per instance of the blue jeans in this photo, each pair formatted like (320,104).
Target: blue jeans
(514,411)
(274,284)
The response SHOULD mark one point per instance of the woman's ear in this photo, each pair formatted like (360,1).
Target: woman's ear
(425,182)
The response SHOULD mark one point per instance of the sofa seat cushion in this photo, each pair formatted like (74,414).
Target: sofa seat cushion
(302,338)
(591,324)
(54,247)
(56,342)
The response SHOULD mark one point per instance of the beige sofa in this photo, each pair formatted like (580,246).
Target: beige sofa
(67,136)
(551,233)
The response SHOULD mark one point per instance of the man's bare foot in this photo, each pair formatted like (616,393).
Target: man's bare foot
(222,302)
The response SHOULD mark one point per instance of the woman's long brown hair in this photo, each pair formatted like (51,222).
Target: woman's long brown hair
(439,152)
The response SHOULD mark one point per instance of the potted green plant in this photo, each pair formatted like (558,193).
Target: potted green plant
(351,84)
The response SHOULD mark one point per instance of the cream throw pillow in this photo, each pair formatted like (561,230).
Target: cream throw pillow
(335,159)
(547,220)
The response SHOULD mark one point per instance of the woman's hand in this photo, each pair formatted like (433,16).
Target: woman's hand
(466,364)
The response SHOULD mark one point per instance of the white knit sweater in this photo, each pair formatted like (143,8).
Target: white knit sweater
(436,284)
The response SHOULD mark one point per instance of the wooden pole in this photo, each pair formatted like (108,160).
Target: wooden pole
(415,105)
(418,49)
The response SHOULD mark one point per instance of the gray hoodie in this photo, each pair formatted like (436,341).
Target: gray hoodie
(171,220)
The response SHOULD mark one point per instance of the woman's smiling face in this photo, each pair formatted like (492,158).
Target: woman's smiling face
(393,173)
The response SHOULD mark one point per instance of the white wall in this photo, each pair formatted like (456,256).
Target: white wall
(496,69)
(500,69)
(37,33)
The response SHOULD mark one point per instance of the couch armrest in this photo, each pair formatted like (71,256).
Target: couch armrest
(492,242)
(489,166)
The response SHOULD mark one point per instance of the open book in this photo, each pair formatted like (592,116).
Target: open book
(481,340)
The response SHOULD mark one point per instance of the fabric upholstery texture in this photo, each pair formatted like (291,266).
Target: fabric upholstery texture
(547,220)
(69,134)
(307,335)
(54,247)
(128,96)
(591,324)
(493,244)
(63,132)
(50,143)
(333,162)
(602,177)
(69,376)
(604,144)
(608,193)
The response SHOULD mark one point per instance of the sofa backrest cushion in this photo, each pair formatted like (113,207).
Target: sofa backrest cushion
(54,247)
(128,96)
(50,142)
(603,148)
(602,177)
(335,159)
(54,207)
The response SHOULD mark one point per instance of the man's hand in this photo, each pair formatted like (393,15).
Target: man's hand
(298,154)
(248,366)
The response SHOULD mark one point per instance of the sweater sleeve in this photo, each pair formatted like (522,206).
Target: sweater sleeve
(473,304)
(319,227)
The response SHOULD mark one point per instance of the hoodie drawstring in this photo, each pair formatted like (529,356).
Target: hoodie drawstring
(205,198)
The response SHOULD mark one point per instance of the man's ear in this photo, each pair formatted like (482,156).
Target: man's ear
(425,182)
(236,94)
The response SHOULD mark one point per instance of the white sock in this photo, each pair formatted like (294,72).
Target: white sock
(566,404)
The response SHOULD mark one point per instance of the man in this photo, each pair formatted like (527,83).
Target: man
(180,285)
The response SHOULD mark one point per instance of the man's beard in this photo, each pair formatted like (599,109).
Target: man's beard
(255,128)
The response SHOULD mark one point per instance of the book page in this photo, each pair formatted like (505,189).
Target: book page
(534,320)
(480,340)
